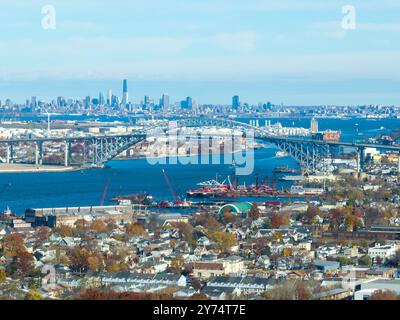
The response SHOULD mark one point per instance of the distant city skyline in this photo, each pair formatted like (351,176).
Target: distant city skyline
(280,91)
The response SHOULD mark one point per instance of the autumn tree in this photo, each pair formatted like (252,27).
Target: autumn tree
(225,240)
(3,276)
(115,263)
(335,217)
(228,216)
(24,262)
(311,213)
(41,235)
(33,295)
(94,263)
(358,212)
(287,252)
(177,264)
(81,225)
(65,231)
(186,231)
(290,290)
(254,212)
(207,221)
(278,236)
(261,246)
(302,291)
(13,244)
(384,295)
(135,229)
(355,195)
(110,225)
(199,296)
(352,222)
(278,220)
(78,258)
(98,226)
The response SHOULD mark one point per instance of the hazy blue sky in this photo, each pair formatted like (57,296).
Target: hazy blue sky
(290,51)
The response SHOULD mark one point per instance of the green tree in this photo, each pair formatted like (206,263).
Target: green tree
(34,284)
(365,260)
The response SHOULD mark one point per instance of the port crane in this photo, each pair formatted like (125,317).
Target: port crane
(171,189)
(103,198)
(212,183)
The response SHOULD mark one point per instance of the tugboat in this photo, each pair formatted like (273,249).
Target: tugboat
(144,199)
(284,169)
(8,212)
(281,154)
(6,215)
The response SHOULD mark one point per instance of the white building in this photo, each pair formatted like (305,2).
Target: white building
(383,252)
(369,287)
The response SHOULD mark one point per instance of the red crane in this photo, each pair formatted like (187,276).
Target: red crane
(171,189)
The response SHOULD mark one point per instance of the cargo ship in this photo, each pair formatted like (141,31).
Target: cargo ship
(215,189)
(226,189)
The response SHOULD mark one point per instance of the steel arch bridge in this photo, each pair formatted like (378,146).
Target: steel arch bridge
(308,153)
(101,149)
(107,148)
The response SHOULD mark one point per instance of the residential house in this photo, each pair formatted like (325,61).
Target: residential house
(206,269)
(246,284)
(203,242)
(220,293)
(326,266)
(134,282)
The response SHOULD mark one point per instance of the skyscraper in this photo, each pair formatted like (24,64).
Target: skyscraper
(109,97)
(101,99)
(125,97)
(33,102)
(189,102)
(235,102)
(87,102)
(165,102)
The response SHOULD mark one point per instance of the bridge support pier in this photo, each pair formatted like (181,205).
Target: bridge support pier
(10,153)
(38,154)
(67,153)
